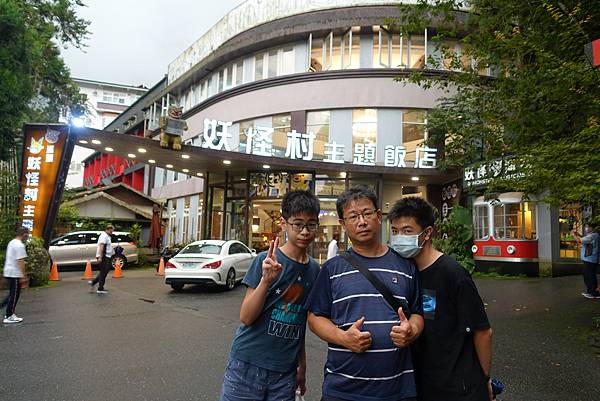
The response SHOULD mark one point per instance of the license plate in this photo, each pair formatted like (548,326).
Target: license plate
(189,265)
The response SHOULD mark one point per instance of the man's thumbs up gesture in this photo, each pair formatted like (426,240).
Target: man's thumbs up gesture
(405,333)
(356,340)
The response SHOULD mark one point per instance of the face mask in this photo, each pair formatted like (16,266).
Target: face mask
(406,245)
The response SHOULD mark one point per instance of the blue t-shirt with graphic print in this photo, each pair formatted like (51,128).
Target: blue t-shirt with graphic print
(342,294)
(273,340)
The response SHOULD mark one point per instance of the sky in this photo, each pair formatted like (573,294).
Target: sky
(132,42)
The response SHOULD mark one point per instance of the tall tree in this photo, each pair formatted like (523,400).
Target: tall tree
(541,104)
(35,83)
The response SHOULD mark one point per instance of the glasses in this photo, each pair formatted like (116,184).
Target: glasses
(298,227)
(367,215)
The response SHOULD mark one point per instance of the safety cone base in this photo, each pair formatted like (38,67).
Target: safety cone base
(54,272)
(88,275)
(118,273)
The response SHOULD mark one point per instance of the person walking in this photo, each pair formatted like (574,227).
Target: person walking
(268,359)
(14,272)
(590,244)
(368,356)
(333,248)
(104,252)
(453,355)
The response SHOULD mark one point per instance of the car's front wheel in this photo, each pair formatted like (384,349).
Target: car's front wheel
(230,280)
(177,286)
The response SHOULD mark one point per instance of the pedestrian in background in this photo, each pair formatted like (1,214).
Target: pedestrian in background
(333,248)
(104,252)
(590,243)
(453,355)
(14,272)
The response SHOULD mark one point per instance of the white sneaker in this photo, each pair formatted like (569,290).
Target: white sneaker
(12,319)
(101,292)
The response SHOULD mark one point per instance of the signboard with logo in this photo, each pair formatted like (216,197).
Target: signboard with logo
(47,152)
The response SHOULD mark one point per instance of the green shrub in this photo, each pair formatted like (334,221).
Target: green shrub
(456,237)
(37,264)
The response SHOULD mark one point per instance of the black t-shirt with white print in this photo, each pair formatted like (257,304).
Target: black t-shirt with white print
(446,364)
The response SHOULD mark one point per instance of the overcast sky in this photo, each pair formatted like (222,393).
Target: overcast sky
(133,41)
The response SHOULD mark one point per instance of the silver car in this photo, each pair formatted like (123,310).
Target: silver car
(78,247)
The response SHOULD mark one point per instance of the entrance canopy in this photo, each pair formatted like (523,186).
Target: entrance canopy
(197,161)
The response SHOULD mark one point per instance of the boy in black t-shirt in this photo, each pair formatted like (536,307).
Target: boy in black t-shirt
(453,355)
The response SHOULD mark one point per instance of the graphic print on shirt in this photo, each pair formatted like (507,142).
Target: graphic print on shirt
(429,304)
(286,317)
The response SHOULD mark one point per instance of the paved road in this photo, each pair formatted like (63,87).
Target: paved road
(144,342)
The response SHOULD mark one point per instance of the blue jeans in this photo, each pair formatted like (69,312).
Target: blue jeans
(244,381)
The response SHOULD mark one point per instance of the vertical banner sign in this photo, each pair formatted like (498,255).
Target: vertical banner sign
(46,155)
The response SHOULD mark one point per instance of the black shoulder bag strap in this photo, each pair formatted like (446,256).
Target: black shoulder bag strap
(394,302)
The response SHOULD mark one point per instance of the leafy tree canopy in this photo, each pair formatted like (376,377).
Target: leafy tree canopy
(35,83)
(541,104)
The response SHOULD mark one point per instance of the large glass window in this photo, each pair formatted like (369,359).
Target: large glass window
(281,126)
(413,131)
(316,54)
(287,64)
(351,49)
(272,64)
(515,221)
(382,47)
(480,221)
(364,127)
(570,218)
(259,62)
(318,123)
(239,73)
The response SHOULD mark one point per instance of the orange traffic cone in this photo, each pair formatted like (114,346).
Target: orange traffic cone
(161,268)
(87,274)
(118,272)
(54,273)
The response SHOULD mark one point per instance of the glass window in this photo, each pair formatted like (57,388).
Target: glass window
(318,123)
(382,48)
(220,84)
(515,221)
(229,76)
(351,49)
(202,248)
(364,127)
(281,126)
(301,181)
(272,65)
(480,221)
(413,131)
(570,218)
(259,66)
(239,73)
(287,65)
(316,54)
(330,187)
(417,51)
(245,127)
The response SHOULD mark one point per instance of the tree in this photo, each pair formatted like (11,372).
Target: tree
(35,83)
(540,106)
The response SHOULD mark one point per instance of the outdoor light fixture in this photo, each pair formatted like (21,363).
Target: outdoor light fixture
(83,141)
(131,155)
(141,150)
(228,162)
(78,122)
(169,166)
(414,178)
(185,156)
(266,166)
(151,161)
(96,142)
(185,170)
(108,149)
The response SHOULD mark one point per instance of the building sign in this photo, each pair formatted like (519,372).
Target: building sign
(300,146)
(485,173)
(44,150)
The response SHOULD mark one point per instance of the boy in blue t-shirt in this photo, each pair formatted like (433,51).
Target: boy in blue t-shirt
(268,359)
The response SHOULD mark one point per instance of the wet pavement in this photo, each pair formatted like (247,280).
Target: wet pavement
(144,342)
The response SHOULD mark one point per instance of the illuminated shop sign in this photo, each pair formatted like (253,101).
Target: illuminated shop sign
(300,146)
(42,156)
(485,173)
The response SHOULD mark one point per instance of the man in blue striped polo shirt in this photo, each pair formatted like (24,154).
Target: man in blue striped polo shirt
(368,357)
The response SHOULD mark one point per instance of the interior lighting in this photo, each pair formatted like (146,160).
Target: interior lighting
(414,178)
(185,156)
(108,149)
(243,179)
(96,142)
(185,170)
(169,166)
(199,174)
(83,141)
(131,155)
(266,166)
(343,174)
(151,161)
(141,150)
(227,162)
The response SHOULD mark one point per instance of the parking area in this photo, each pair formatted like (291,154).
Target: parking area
(142,341)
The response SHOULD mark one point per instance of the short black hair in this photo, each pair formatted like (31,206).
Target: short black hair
(297,202)
(413,206)
(22,231)
(355,193)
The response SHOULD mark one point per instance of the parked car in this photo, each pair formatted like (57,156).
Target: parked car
(77,248)
(209,262)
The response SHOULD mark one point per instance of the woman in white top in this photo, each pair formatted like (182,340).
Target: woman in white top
(14,271)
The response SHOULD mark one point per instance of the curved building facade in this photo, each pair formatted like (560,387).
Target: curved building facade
(297,95)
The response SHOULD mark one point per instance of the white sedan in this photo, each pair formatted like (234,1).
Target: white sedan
(209,262)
